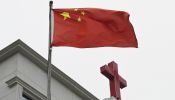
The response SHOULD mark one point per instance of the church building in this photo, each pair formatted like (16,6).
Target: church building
(23,76)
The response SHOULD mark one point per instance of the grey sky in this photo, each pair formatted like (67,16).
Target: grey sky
(149,70)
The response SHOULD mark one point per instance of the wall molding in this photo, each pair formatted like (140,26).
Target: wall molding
(27,89)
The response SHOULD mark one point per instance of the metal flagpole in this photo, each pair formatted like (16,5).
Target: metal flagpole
(49,70)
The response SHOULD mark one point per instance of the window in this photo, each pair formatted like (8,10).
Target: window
(24,97)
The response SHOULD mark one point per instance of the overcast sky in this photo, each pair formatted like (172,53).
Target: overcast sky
(149,70)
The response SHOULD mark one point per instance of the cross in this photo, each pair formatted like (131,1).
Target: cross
(116,81)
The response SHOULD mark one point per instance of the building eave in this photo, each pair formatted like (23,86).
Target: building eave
(20,47)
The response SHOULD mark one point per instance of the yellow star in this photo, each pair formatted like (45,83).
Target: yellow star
(83,13)
(65,15)
(79,19)
(75,9)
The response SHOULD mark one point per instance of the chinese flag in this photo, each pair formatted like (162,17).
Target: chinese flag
(92,27)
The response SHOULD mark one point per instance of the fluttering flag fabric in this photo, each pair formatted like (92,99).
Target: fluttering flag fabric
(92,27)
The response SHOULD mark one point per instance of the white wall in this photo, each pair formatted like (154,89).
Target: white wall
(20,66)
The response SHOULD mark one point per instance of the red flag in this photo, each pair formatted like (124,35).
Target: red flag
(92,27)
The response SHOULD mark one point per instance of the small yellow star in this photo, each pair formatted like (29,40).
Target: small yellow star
(83,13)
(79,19)
(75,9)
(65,15)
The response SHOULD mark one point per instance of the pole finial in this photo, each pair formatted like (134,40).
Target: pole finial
(51,2)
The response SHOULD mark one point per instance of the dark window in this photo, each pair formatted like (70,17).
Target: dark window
(24,97)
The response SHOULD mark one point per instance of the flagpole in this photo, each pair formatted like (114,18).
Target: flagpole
(49,70)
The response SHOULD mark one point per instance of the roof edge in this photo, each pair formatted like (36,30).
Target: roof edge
(20,47)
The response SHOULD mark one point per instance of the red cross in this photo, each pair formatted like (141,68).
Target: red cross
(116,81)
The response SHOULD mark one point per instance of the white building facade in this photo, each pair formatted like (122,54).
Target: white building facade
(23,76)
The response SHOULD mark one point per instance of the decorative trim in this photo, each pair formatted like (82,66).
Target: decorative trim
(27,89)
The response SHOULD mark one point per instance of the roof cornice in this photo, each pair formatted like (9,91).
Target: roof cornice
(20,47)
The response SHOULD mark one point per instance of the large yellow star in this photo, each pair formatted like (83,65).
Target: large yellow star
(65,15)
